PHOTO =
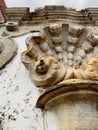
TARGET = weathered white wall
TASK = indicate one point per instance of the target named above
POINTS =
(18, 95)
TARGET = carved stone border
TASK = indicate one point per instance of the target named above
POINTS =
(67, 86)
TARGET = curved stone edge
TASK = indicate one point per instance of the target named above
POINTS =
(20, 32)
(64, 87)
(23, 32)
(13, 53)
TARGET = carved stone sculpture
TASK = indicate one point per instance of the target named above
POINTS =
(8, 48)
(61, 52)
(65, 58)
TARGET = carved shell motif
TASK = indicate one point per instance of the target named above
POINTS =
(61, 52)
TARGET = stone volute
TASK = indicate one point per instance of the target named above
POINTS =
(64, 59)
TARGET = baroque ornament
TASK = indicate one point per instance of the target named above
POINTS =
(61, 52)
(65, 58)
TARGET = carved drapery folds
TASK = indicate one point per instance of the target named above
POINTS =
(61, 52)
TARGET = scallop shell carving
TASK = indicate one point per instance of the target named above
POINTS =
(61, 52)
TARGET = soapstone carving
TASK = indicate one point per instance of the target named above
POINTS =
(61, 52)
(8, 48)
